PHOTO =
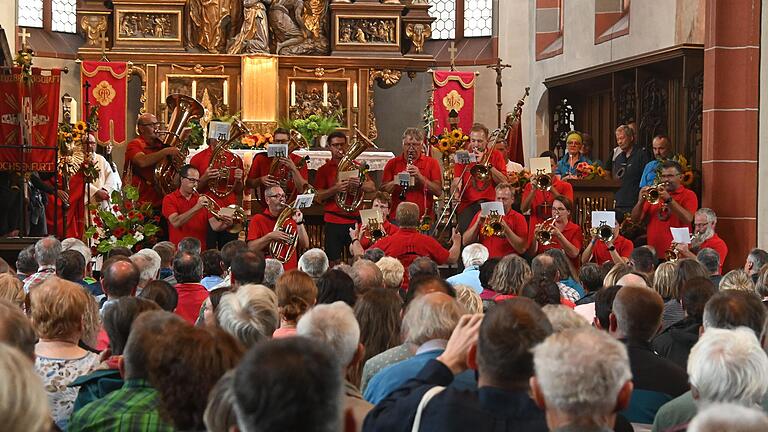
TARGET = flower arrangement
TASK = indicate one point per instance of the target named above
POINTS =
(23, 59)
(590, 171)
(449, 142)
(425, 224)
(126, 223)
(253, 141)
(519, 179)
(196, 136)
(313, 126)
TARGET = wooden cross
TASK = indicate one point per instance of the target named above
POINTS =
(103, 39)
(453, 52)
(498, 67)
(24, 35)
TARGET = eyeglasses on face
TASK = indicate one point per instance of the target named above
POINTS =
(276, 196)
(150, 124)
(192, 179)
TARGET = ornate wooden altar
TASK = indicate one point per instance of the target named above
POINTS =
(592, 195)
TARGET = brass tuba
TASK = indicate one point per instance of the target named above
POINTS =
(226, 162)
(280, 171)
(282, 251)
(604, 232)
(350, 200)
(543, 232)
(184, 109)
(233, 211)
(653, 195)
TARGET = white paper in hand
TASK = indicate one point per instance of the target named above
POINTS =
(603, 217)
(368, 216)
(218, 130)
(277, 150)
(540, 165)
(304, 201)
(487, 207)
(681, 235)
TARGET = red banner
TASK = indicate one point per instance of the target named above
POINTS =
(515, 141)
(29, 112)
(107, 88)
(453, 91)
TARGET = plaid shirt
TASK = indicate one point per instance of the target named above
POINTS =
(133, 408)
(43, 273)
(568, 293)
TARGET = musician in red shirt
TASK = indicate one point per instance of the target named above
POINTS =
(337, 220)
(565, 234)
(261, 230)
(294, 175)
(186, 210)
(539, 202)
(675, 208)
(222, 182)
(617, 250)
(381, 201)
(424, 171)
(704, 222)
(514, 235)
(477, 191)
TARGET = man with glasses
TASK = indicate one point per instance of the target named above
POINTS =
(425, 177)
(261, 230)
(337, 220)
(704, 222)
(185, 210)
(513, 237)
(675, 208)
(260, 179)
(628, 167)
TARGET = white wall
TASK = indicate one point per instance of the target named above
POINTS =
(8, 21)
(762, 149)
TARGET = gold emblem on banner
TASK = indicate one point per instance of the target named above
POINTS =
(453, 101)
(104, 93)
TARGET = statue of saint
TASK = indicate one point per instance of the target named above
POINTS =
(254, 34)
(213, 22)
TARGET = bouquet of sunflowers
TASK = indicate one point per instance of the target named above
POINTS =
(688, 174)
(449, 142)
(590, 171)
(127, 222)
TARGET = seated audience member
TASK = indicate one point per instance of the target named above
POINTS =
(635, 319)
(247, 268)
(508, 278)
(219, 415)
(70, 265)
(119, 278)
(189, 244)
(57, 308)
(428, 323)
(566, 270)
(591, 278)
(676, 341)
(273, 269)
(762, 284)
(563, 318)
(166, 250)
(314, 262)
(601, 319)
(366, 276)
(119, 251)
(423, 266)
(467, 297)
(546, 266)
(289, 384)
(137, 402)
(146, 270)
(335, 326)
(392, 272)
(12, 289)
(541, 290)
(729, 417)
(118, 318)
(755, 260)
(16, 329)
(188, 271)
(685, 269)
(162, 293)
(588, 393)
(378, 312)
(425, 285)
(26, 263)
(710, 259)
(615, 273)
(373, 254)
(737, 280)
(23, 402)
(296, 293)
(633, 278)
(47, 251)
(228, 253)
(485, 274)
(249, 314)
(335, 285)
(473, 256)
(643, 259)
(213, 269)
(498, 346)
(153, 272)
(207, 316)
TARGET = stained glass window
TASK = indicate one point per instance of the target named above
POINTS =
(30, 13)
(444, 26)
(64, 16)
(478, 18)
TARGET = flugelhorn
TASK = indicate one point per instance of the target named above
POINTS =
(672, 254)
(604, 232)
(544, 232)
(375, 230)
(542, 182)
(350, 200)
(492, 225)
(653, 195)
(232, 211)
(226, 162)
(184, 109)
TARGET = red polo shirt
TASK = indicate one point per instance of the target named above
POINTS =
(540, 212)
(261, 165)
(261, 225)
(144, 178)
(191, 297)
(196, 227)
(573, 234)
(716, 243)
(407, 244)
(327, 176)
(479, 191)
(202, 161)
(419, 195)
(600, 252)
(390, 229)
(499, 246)
(659, 235)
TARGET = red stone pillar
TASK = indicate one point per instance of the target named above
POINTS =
(730, 141)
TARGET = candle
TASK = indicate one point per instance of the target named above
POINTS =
(162, 92)
(325, 94)
(226, 92)
(194, 89)
(293, 93)
(73, 111)
(354, 96)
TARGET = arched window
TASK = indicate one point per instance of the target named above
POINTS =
(51, 15)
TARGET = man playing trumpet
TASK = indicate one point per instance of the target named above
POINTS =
(260, 178)
(261, 230)
(558, 232)
(512, 238)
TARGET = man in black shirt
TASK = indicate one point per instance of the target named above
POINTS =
(628, 167)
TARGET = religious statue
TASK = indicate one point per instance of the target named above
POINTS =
(213, 22)
(298, 26)
(254, 34)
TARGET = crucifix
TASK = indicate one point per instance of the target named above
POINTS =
(103, 39)
(453, 52)
(24, 35)
(498, 67)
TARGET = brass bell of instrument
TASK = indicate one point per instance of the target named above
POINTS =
(653, 195)
(604, 232)
(544, 234)
(542, 182)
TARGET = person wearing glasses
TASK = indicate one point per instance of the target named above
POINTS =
(186, 210)
(705, 237)
(628, 167)
(423, 171)
(564, 234)
(261, 229)
(259, 177)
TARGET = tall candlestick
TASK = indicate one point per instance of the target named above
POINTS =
(73, 111)
(162, 92)
(226, 92)
(194, 89)
(325, 94)
(354, 96)
(293, 93)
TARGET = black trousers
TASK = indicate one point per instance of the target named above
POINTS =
(465, 217)
(217, 239)
(337, 240)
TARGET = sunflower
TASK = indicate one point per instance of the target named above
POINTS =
(687, 178)
(600, 171)
(80, 126)
(456, 134)
(268, 137)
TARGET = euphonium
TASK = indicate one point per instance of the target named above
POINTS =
(226, 162)
(279, 170)
(492, 225)
(544, 232)
(653, 195)
(604, 232)
(184, 109)
(542, 182)
(282, 251)
(350, 200)
(233, 211)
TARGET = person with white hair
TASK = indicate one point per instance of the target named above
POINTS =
(272, 270)
(148, 263)
(314, 262)
(581, 389)
(335, 326)
(473, 257)
(563, 318)
(705, 237)
(392, 271)
(47, 251)
(249, 314)
(729, 417)
(23, 401)
(427, 324)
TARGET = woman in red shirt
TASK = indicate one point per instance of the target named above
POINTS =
(566, 235)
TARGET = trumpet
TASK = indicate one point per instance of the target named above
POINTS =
(232, 211)
(604, 232)
(542, 182)
(653, 195)
(543, 232)
(376, 230)
(492, 225)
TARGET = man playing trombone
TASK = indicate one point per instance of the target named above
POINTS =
(511, 238)
(261, 230)
(470, 189)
